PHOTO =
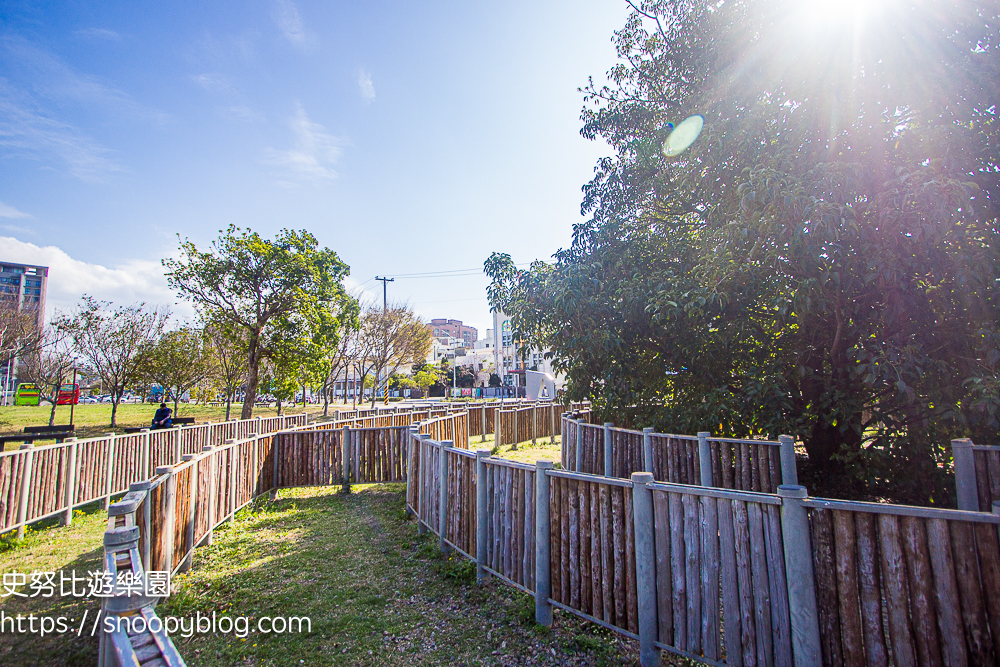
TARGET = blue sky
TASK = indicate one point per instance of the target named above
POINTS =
(409, 137)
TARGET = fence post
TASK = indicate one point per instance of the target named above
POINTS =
(411, 433)
(421, 475)
(608, 449)
(147, 513)
(275, 446)
(212, 509)
(70, 495)
(232, 478)
(169, 518)
(578, 445)
(177, 444)
(147, 459)
(497, 440)
(647, 449)
(22, 501)
(789, 470)
(109, 476)
(513, 445)
(482, 519)
(704, 458)
(443, 501)
(965, 474)
(534, 424)
(645, 568)
(799, 576)
(185, 564)
(345, 459)
(552, 419)
(543, 570)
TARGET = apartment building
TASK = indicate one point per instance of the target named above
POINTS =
(443, 328)
(25, 286)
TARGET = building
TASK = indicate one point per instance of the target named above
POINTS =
(510, 366)
(25, 285)
(441, 328)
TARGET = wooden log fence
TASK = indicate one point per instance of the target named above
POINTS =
(730, 463)
(37, 483)
(977, 475)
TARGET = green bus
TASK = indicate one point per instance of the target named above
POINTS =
(26, 394)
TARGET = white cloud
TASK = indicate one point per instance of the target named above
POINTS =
(26, 130)
(290, 23)
(366, 86)
(69, 279)
(11, 212)
(213, 83)
(315, 150)
(99, 33)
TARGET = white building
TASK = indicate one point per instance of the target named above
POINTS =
(510, 365)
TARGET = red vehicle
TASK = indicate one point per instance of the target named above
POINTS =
(69, 394)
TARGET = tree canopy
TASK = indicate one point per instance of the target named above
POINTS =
(265, 287)
(821, 262)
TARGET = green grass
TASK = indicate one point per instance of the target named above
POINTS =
(93, 419)
(525, 452)
(375, 591)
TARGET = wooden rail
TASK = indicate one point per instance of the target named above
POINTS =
(722, 576)
(748, 465)
(37, 483)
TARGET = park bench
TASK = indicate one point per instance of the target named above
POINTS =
(32, 433)
(177, 421)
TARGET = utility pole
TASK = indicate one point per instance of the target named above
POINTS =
(385, 309)
(385, 301)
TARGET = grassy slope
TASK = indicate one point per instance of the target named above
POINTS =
(376, 592)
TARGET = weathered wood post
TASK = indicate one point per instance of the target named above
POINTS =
(789, 470)
(345, 459)
(799, 577)
(543, 571)
(411, 433)
(232, 478)
(70, 490)
(608, 449)
(645, 568)
(22, 501)
(578, 446)
(177, 444)
(497, 435)
(482, 518)
(147, 459)
(534, 424)
(192, 501)
(552, 418)
(965, 474)
(647, 449)
(275, 451)
(254, 472)
(516, 438)
(109, 474)
(704, 458)
(443, 500)
(147, 513)
(169, 518)
(212, 510)
(422, 476)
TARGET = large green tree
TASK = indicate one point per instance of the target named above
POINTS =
(259, 285)
(822, 261)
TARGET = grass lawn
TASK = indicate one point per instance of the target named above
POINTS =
(375, 592)
(92, 419)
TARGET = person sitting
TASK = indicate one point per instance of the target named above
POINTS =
(162, 417)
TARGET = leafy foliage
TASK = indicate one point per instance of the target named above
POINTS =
(823, 260)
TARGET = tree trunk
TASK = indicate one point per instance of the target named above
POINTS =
(114, 409)
(177, 398)
(52, 413)
(279, 407)
(253, 376)
(229, 402)
(326, 397)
